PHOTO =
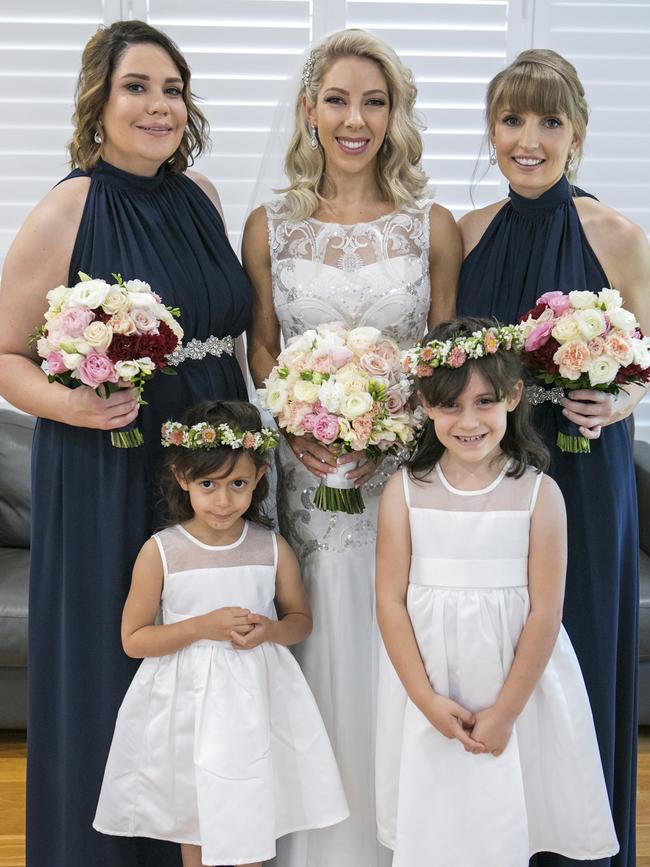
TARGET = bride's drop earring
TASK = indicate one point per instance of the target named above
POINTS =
(571, 162)
(493, 154)
(313, 142)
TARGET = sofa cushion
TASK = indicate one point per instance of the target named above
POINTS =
(16, 430)
(14, 573)
(642, 466)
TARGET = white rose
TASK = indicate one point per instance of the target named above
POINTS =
(348, 372)
(346, 432)
(583, 300)
(301, 343)
(99, 336)
(354, 405)
(274, 396)
(361, 339)
(331, 394)
(357, 384)
(566, 329)
(611, 298)
(602, 370)
(126, 370)
(141, 299)
(590, 322)
(76, 346)
(137, 286)
(115, 300)
(89, 293)
(57, 296)
(44, 347)
(622, 319)
(306, 391)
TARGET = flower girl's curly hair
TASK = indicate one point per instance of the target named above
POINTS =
(196, 463)
(503, 370)
(400, 177)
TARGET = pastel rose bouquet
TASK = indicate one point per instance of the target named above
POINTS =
(584, 340)
(105, 336)
(346, 389)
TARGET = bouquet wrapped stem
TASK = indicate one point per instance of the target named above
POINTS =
(336, 493)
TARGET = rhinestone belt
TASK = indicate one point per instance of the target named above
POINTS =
(198, 349)
(537, 394)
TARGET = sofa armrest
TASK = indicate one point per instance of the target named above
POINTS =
(642, 468)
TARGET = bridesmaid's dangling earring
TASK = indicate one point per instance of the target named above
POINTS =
(385, 148)
(571, 163)
(313, 142)
(493, 154)
(97, 138)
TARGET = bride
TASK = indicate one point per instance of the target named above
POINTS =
(356, 239)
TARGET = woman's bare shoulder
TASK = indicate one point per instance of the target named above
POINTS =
(608, 231)
(473, 224)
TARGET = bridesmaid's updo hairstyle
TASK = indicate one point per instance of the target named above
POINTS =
(541, 81)
(197, 463)
(503, 370)
(400, 176)
(100, 57)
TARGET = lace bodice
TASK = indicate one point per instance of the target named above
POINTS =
(374, 273)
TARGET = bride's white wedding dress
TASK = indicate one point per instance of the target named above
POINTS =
(374, 273)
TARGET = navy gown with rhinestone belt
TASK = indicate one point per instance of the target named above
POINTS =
(95, 505)
(533, 246)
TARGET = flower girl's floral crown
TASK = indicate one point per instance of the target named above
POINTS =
(205, 436)
(422, 360)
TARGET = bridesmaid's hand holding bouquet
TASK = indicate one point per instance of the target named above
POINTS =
(583, 340)
(107, 336)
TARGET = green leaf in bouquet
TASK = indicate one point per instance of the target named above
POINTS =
(306, 375)
(168, 371)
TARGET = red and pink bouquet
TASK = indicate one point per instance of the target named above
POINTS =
(583, 340)
(347, 390)
(106, 336)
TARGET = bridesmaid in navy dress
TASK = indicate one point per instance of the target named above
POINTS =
(128, 208)
(550, 235)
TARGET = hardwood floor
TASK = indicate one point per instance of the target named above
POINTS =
(12, 799)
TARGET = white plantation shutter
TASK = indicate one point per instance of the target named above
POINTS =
(40, 53)
(240, 53)
(609, 44)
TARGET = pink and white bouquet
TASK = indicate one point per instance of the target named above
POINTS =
(347, 390)
(105, 336)
(584, 340)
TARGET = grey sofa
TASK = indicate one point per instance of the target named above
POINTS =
(15, 446)
(15, 450)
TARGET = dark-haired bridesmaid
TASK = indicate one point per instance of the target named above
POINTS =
(550, 235)
(129, 206)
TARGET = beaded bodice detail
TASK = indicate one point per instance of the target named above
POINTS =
(374, 273)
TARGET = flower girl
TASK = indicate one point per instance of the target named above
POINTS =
(486, 750)
(218, 744)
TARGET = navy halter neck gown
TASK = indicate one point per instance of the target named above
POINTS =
(533, 246)
(95, 505)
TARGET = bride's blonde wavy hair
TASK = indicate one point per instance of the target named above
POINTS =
(400, 177)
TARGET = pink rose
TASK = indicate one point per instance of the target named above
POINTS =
(374, 364)
(557, 301)
(326, 428)
(144, 321)
(362, 428)
(539, 336)
(387, 350)
(395, 400)
(96, 369)
(321, 362)
(55, 363)
(596, 346)
(619, 348)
